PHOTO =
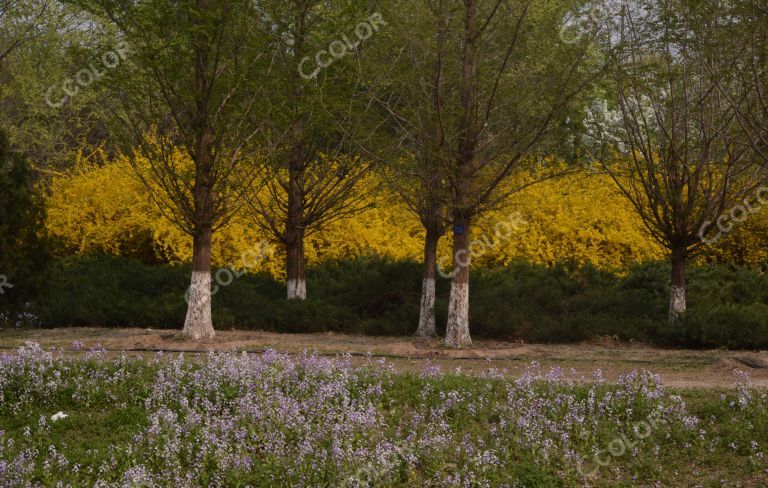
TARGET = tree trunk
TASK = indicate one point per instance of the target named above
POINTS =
(427, 312)
(297, 285)
(677, 305)
(198, 324)
(457, 330)
(294, 225)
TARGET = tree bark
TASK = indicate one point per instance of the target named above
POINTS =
(427, 313)
(677, 303)
(198, 324)
(297, 285)
(294, 225)
(457, 330)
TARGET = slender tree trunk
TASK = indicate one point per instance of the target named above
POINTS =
(294, 226)
(434, 207)
(457, 330)
(427, 313)
(295, 229)
(677, 305)
(297, 285)
(198, 324)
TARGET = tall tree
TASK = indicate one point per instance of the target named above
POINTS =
(311, 178)
(745, 49)
(23, 252)
(402, 134)
(53, 97)
(194, 89)
(683, 159)
(19, 22)
(491, 80)
(411, 95)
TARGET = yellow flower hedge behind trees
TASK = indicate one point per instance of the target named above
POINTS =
(102, 208)
(577, 218)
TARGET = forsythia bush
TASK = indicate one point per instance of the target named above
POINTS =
(580, 218)
(105, 209)
(102, 208)
(745, 244)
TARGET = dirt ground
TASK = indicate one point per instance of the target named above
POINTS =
(678, 368)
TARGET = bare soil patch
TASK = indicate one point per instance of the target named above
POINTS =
(678, 368)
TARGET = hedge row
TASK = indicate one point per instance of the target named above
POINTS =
(728, 305)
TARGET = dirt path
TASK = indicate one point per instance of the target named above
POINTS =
(678, 368)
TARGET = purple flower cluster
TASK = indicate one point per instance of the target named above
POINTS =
(22, 319)
(303, 417)
(226, 419)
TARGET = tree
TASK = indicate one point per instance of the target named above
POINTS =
(423, 186)
(491, 80)
(19, 21)
(23, 252)
(407, 90)
(61, 46)
(683, 158)
(194, 88)
(745, 49)
(311, 177)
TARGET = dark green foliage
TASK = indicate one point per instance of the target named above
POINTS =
(23, 252)
(565, 303)
(113, 292)
(728, 325)
(356, 296)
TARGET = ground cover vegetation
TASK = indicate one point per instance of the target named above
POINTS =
(271, 419)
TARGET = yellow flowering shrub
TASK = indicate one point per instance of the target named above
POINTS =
(580, 218)
(99, 209)
(744, 243)
(388, 229)
(104, 208)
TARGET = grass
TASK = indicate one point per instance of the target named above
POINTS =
(274, 420)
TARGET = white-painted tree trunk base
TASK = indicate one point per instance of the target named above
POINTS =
(457, 330)
(427, 313)
(677, 305)
(198, 324)
(297, 289)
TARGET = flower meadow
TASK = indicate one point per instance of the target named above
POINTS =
(237, 419)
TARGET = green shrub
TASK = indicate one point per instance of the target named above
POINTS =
(728, 307)
(113, 292)
(23, 246)
(729, 325)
